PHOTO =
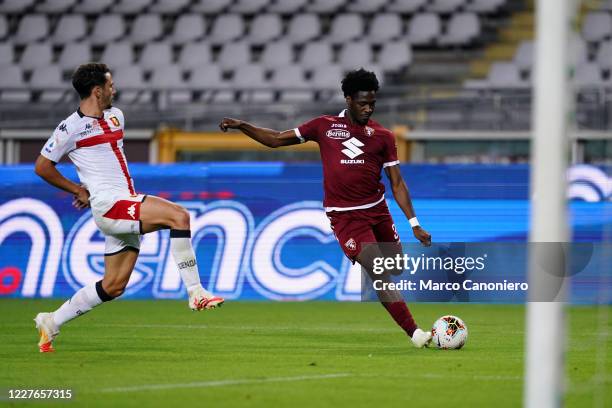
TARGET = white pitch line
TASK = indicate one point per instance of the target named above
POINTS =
(223, 383)
(243, 328)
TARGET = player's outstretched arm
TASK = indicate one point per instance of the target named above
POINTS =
(402, 197)
(267, 137)
(46, 170)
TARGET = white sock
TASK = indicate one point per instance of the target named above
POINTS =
(182, 252)
(80, 303)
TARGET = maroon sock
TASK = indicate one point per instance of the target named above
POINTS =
(402, 316)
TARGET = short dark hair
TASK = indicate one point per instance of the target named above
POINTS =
(87, 76)
(359, 80)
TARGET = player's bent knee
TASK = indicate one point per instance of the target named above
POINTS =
(181, 218)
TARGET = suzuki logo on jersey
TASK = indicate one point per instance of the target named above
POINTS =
(352, 150)
(132, 211)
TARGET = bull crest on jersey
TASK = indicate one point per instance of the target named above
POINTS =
(114, 120)
(369, 131)
(351, 244)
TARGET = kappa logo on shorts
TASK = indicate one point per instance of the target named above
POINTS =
(132, 211)
(351, 244)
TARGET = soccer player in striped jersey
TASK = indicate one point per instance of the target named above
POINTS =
(354, 151)
(92, 137)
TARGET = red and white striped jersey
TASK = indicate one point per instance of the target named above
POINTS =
(95, 146)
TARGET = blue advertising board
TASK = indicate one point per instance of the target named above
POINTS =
(259, 229)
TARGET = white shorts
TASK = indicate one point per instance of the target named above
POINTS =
(118, 217)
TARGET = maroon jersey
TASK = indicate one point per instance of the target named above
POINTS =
(353, 157)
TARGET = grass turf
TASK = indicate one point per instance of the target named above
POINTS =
(289, 354)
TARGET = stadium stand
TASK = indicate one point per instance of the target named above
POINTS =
(414, 46)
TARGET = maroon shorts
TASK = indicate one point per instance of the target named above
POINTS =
(355, 228)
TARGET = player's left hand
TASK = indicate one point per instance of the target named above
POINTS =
(422, 235)
(81, 199)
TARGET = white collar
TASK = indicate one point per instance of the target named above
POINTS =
(342, 114)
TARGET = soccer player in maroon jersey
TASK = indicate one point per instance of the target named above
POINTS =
(354, 150)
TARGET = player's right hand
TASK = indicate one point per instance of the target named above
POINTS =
(229, 123)
(81, 199)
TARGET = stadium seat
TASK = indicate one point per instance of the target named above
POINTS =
(131, 6)
(3, 26)
(49, 76)
(155, 54)
(32, 27)
(36, 55)
(505, 75)
(146, 28)
(73, 55)
(579, 50)
(12, 86)
(484, 6)
(108, 28)
(291, 77)
(366, 6)
(93, 6)
(226, 28)
(325, 6)
(444, 6)
(604, 55)
(303, 28)
(210, 7)
(188, 27)
(278, 53)
(169, 6)
(424, 28)
(249, 6)
(289, 7)
(385, 27)
(406, 6)
(54, 6)
(395, 56)
(7, 55)
(265, 28)
(233, 55)
(194, 55)
(523, 57)
(316, 54)
(251, 78)
(463, 28)
(355, 55)
(15, 6)
(588, 75)
(169, 80)
(119, 54)
(345, 27)
(130, 85)
(326, 77)
(71, 27)
(209, 84)
(597, 26)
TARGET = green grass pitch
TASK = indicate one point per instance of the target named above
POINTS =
(263, 354)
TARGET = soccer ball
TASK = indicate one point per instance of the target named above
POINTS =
(449, 332)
